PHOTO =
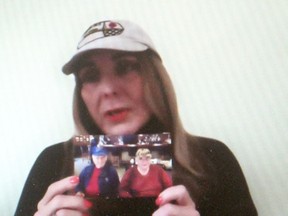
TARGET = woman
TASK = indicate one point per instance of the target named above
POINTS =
(100, 178)
(144, 180)
(122, 87)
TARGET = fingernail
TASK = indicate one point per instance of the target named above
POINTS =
(74, 180)
(159, 201)
(88, 204)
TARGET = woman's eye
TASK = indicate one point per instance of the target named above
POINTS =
(89, 75)
(125, 67)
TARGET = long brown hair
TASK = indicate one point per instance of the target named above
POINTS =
(161, 98)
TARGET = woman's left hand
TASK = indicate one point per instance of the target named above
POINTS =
(175, 201)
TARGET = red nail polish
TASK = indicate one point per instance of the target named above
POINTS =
(74, 180)
(88, 204)
(159, 201)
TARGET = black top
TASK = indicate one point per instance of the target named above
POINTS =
(225, 191)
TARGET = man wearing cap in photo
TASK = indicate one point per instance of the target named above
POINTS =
(100, 178)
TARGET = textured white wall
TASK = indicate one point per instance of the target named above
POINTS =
(227, 60)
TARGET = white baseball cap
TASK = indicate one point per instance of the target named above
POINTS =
(120, 35)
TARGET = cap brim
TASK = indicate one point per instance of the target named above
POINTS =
(102, 154)
(121, 44)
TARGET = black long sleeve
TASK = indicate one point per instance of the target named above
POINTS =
(46, 170)
(228, 193)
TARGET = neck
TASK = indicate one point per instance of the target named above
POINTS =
(142, 171)
(152, 126)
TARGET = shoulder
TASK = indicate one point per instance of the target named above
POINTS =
(131, 171)
(212, 148)
(157, 170)
(219, 160)
(52, 153)
(110, 168)
(155, 167)
(54, 158)
(215, 156)
(206, 142)
(88, 168)
(56, 149)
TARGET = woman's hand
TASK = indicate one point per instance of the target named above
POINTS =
(56, 203)
(175, 201)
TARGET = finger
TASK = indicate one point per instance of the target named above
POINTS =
(166, 209)
(176, 193)
(80, 194)
(59, 187)
(175, 210)
(69, 212)
(64, 202)
(66, 212)
(68, 202)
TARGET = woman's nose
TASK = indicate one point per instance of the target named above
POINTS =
(109, 86)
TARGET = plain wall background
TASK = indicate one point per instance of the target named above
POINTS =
(227, 60)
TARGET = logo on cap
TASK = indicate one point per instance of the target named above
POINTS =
(100, 30)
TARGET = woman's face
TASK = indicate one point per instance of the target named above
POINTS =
(143, 162)
(112, 90)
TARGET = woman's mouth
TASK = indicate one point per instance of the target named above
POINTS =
(117, 115)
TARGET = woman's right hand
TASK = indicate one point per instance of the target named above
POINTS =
(56, 203)
(175, 200)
